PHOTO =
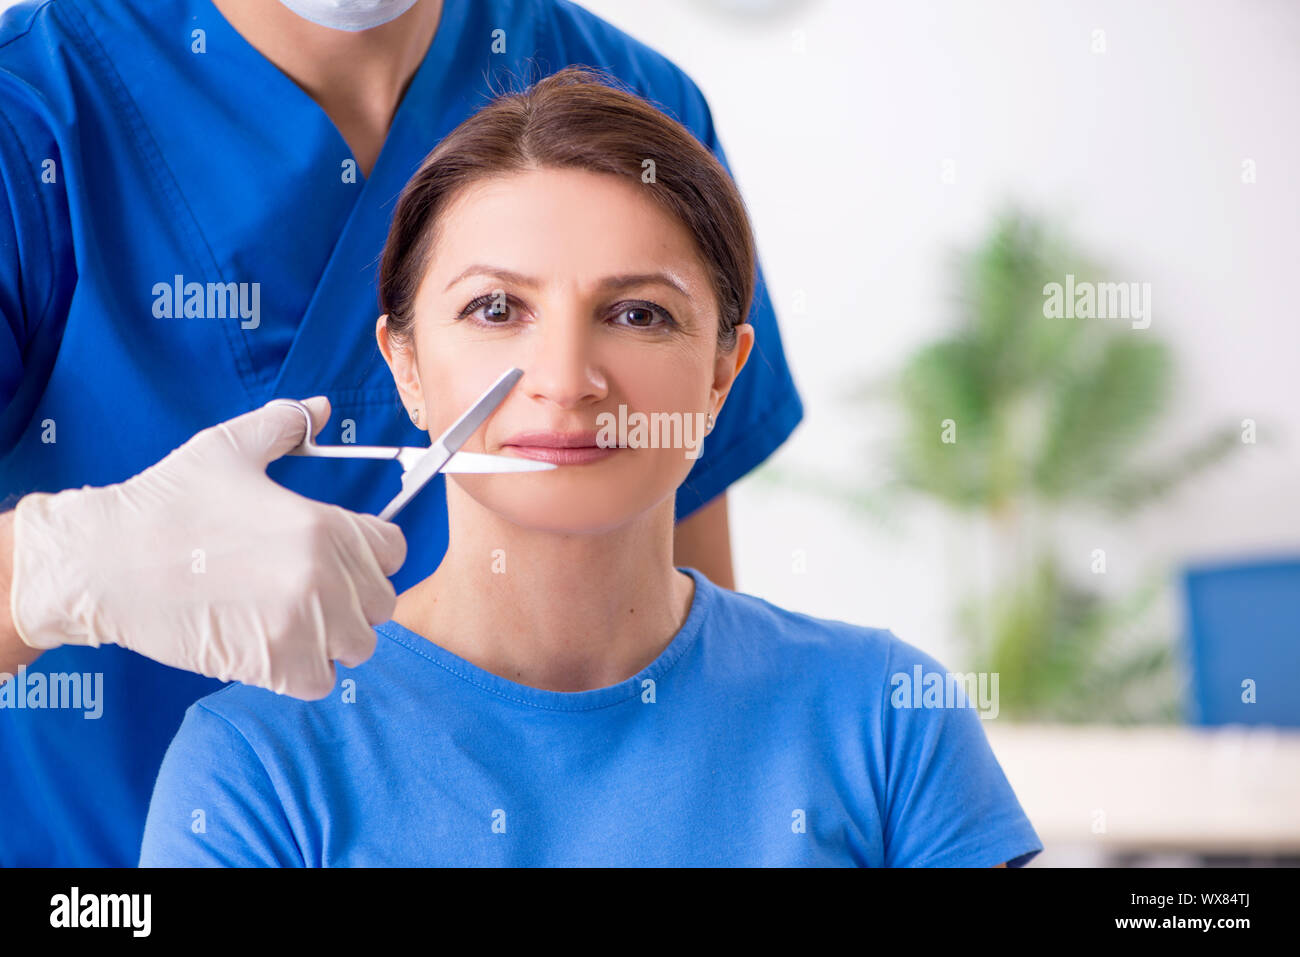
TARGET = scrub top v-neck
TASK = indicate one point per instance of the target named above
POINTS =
(148, 146)
(319, 254)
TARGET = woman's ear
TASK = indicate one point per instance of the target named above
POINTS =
(401, 364)
(728, 365)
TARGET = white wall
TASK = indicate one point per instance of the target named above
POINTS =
(1138, 151)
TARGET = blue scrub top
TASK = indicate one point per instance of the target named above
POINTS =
(758, 737)
(141, 142)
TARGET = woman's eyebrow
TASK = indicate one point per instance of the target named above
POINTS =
(608, 283)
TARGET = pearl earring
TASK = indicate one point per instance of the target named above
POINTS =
(708, 423)
(415, 417)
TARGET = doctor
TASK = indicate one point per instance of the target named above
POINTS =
(194, 196)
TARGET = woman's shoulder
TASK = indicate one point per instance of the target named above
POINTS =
(800, 635)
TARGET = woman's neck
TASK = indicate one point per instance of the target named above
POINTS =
(558, 612)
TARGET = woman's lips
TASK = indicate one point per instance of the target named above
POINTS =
(562, 448)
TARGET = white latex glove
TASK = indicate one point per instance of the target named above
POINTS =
(201, 562)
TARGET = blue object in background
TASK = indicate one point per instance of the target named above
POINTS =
(1243, 622)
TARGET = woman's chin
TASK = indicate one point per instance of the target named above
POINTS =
(563, 505)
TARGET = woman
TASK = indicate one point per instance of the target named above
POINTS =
(557, 692)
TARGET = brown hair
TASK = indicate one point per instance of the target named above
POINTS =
(576, 118)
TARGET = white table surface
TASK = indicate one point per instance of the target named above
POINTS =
(1234, 789)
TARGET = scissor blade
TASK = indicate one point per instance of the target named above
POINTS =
(447, 444)
(468, 424)
(470, 463)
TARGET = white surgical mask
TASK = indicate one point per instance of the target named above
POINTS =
(350, 15)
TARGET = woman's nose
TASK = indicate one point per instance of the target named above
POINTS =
(562, 367)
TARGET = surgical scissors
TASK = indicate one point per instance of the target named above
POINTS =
(420, 465)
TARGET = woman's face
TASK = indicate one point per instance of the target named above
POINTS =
(599, 295)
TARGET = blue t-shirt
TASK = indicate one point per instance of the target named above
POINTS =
(758, 737)
(146, 147)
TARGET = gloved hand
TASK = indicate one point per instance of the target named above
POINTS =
(202, 562)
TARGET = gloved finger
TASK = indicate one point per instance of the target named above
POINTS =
(268, 433)
(386, 541)
(319, 406)
(369, 594)
(311, 678)
(350, 640)
(377, 600)
(316, 690)
(353, 644)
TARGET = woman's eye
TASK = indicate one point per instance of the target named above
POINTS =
(644, 316)
(488, 310)
(496, 311)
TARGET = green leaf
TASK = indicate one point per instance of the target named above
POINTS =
(1101, 413)
(1124, 493)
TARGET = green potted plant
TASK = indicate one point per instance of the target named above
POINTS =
(1013, 417)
